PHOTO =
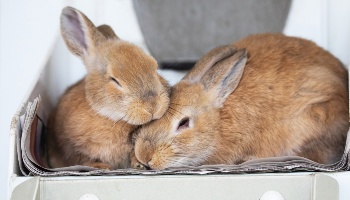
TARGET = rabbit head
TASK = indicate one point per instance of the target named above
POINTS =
(187, 134)
(122, 81)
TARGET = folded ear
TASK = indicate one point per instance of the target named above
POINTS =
(79, 33)
(208, 61)
(223, 78)
(107, 31)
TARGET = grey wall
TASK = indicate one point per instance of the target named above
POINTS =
(183, 30)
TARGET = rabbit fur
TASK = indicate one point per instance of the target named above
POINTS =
(94, 119)
(266, 95)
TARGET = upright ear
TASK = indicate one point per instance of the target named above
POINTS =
(223, 78)
(107, 31)
(208, 61)
(79, 33)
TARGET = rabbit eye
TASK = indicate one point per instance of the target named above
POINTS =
(115, 80)
(184, 123)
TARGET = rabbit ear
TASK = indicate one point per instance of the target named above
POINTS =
(207, 61)
(78, 32)
(223, 78)
(107, 31)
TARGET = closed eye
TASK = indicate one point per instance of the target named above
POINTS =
(184, 123)
(115, 80)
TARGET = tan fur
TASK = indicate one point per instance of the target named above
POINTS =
(292, 100)
(95, 118)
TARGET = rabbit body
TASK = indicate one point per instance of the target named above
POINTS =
(82, 137)
(292, 100)
(95, 118)
(286, 97)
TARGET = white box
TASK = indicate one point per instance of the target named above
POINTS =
(51, 83)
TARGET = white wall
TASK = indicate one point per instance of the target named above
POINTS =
(326, 22)
(28, 30)
(339, 29)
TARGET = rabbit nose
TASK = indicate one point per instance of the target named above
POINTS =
(150, 102)
(149, 94)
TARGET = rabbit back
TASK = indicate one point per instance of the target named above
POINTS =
(292, 100)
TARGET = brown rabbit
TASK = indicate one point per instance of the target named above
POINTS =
(286, 97)
(94, 119)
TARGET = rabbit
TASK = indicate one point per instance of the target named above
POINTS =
(266, 95)
(94, 119)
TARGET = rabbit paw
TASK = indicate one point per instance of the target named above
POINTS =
(135, 164)
(138, 165)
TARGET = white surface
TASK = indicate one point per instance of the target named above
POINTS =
(28, 30)
(244, 186)
(343, 179)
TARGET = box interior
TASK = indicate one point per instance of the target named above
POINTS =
(62, 70)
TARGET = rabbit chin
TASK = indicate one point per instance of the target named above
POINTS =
(116, 114)
(175, 163)
(134, 118)
(161, 162)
